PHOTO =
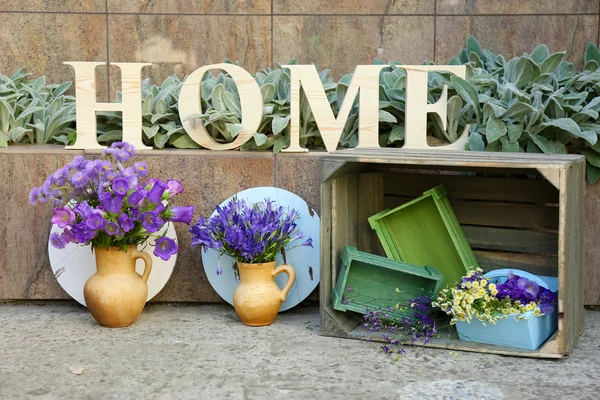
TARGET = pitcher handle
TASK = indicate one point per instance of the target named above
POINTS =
(291, 273)
(147, 263)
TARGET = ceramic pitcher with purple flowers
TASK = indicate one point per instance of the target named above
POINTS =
(116, 294)
(257, 298)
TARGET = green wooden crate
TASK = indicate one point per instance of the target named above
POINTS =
(369, 282)
(425, 231)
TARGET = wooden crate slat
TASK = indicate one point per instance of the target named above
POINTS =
(511, 240)
(473, 187)
(488, 213)
(370, 199)
(536, 264)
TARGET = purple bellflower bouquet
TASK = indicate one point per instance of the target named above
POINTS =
(249, 233)
(107, 202)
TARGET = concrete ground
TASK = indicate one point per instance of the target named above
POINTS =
(55, 350)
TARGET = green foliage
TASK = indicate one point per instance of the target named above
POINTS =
(33, 112)
(533, 103)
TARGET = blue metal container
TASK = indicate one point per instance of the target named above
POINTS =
(523, 334)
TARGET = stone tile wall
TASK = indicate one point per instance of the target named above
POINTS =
(180, 36)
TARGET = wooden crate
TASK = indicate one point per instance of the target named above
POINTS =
(521, 211)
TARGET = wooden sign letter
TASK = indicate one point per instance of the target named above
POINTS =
(250, 99)
(417, 106)
(86, 104)
(366, 78)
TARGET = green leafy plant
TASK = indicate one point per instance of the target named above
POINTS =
(33, 112)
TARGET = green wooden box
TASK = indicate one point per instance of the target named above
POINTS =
(368, 282)
(425, 231)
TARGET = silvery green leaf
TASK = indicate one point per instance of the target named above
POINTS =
(260, 78)
(590, 66)
(273, 78)
(473, 46)
(552, 62)
(279, 124)
(397, 134)
(232, 102)
(185, 142)
(64, 139)
(160, 141)
(147, 104)
(395, 94)
(495, 146)
(514, 132)
(222, 116)
(111, 136)
(584, 115)
(568, 125)
(495, 129)
(548, 146)
(524, 73)
(385, 116)
(509, 147)
(217, 98)
(169, 126)
(3, 141)
(593, 173)
(518, 109)
(279, 144)
(18, 133)
(161, 107)
(150, 131)
(390, 79)
(592, 53)
(489, 109)
(268, 91)
(540, 53)
(6, 115)
(467, 92)
(61, 89)
(591, 156)
(268, 109)
(158, 116)
(476, 142)
(590, 127)
(234, 129)
(259, 138)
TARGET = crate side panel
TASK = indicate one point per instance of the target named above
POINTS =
(511, 240)
(545, 265)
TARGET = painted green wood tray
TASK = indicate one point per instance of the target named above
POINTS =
(368, 282)
(425, 231)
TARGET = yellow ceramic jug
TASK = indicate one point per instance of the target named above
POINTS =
(257, 298)
(116, 295)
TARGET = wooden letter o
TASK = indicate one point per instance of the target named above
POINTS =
(250, 99)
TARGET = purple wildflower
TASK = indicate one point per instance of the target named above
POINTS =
(140, 168)
(165, 247)
(95, 220)
(78, 179)
(156, 192)
(125, 222)
(151, 222)
(181, 214)
(136, 197)
(63, 216)
(174, 187)
(56, 241)
(112, 228)
(34, 195)
(120, 186)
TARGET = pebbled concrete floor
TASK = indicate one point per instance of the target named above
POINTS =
(202, 352)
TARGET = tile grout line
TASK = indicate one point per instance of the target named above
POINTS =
(272, 34)
(107, 56)
(434, 29)
(297, 15)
